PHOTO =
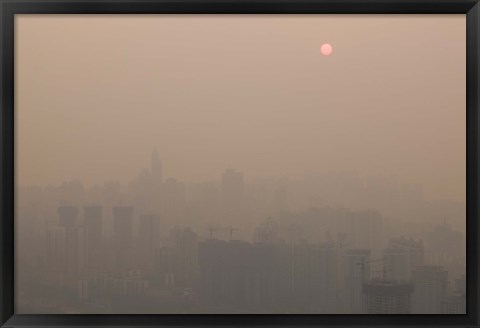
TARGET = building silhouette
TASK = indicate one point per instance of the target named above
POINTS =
(387, 297)
(184, 242)
(67, 243)
(92, 221)
(56, 256)
(156, 167)
(454, 304)
(357, 272)
(430, 289)
(67, 215)
(402, 255)
(122, 235)
(148, 240)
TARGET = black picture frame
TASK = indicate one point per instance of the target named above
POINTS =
(10, 8)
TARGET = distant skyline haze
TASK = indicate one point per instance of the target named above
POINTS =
(247, 92)
(240, 164)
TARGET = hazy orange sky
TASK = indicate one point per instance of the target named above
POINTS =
(95, 95)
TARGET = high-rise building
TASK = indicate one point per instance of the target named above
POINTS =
(387, 297)
(396, 266)
(272, 277)
(148, 239)
(363, 229)
(145, 190)
(185, 245)
(402, 255)
(430, 284)
(357, 272)
(76, 247)
(56, 249)
(454, 304)
(149, 231)
(122, 234)
(66, 249)
(156, 167)
(270, 270)
(414, 248)
(213, 262)
(66, 243)
(67, 215)
(461, 284)
(232, 196)
(92, 221)
(129, 284)
(234, 276)
(165, 266)
(174, 198)
(329, 258)
(267, 232)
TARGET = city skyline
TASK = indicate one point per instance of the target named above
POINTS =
(210, 91)
(245, 164)
(158, 247)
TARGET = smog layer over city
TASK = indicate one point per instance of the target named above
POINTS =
(240, 164)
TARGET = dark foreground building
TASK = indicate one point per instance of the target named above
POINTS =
(387, 297)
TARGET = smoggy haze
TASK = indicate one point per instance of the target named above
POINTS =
(96, 94)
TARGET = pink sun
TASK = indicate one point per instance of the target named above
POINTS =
(326, 49)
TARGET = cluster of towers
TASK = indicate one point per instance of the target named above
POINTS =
(281, 271)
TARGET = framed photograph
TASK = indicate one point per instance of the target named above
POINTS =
(222, 163)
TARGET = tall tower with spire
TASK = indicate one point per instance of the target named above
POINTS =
(156, 166)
